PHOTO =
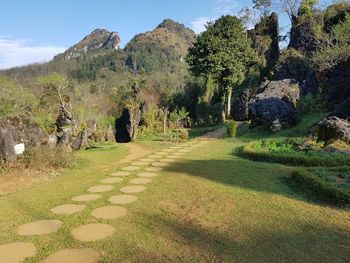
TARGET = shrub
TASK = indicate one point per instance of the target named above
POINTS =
(284, 153)
(183, 134)
(231, 129)
(311, 104)
(44, 157)
(14, 99)
(318, 189)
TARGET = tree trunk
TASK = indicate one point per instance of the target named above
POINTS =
(228, 105)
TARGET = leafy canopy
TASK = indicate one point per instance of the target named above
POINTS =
(223, 51)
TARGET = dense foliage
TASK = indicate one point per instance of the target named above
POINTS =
(224, 53)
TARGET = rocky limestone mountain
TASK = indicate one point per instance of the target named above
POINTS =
(97, 40)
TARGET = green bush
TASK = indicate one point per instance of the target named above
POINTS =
(231, 129)
(286, 154)
(183, 134)
(311, 104)
(318, 189)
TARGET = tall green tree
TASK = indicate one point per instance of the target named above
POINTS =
(223, 52)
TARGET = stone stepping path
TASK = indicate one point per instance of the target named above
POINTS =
(178, 154)
(174, 156)
(154, 156)
(149, 160)
(153, 169)
(92, 232)
(161, 153)
(131, 168)
(100, 188)
(140, 163)
(168, 150)
(167, 160)
(132, 189)
(160, 164)
(67, 209)
(78, 255)
(140, 181)
(146, 174)
(19, 251)
(16, 252)
(85, 198)
(111, 180)
(109, 212)
(122, 199)
(39, 227)
(120, 174)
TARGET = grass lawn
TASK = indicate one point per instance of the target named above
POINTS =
(210, 206)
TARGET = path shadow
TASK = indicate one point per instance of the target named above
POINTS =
(208, 244)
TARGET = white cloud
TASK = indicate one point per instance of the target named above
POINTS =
(198, 25)
(17, 52)
(221, 7)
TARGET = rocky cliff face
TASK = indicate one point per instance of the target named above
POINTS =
(98, 40)
(265, 36)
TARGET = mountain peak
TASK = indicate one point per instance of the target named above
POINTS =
(172, 25)
(97, 40)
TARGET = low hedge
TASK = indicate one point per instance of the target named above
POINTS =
(295, 157)
(231, 127)
(317, 189)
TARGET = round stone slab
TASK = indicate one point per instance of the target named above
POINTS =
(154, 156)
(92, 232)
(161, 153)
(78, 255)
(168, 150)
(67, 209)
(16, 252)
(149, 160)
(167, 160)
(159, 164)
(109, 212)
(100, 188)
(178, 154)
(140, 163)
(88, 197)
(120, 174)
(39, 227)
(122, 199)
(146, 174)
(140, 181)
(133, 189)
(174, 156)
(111, 180)
(131, 168)
(153, 169)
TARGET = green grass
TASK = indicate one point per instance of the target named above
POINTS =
(299, 131)
(211, 206)
(289, 156)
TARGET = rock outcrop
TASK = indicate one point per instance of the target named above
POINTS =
(241, 112)
(332, 128)
(294, 65)
(126, 126)
(265, 36)
(17, 135)
(335, 83)
(275, 106)
(99, 39)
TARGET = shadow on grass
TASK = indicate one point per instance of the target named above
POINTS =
(263, 177)
(188, 241)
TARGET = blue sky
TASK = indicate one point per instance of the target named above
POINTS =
(34, 31)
